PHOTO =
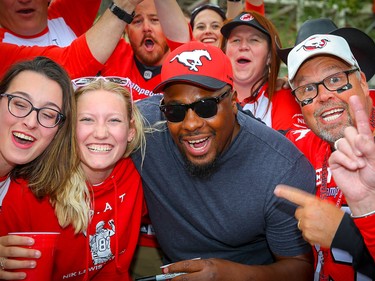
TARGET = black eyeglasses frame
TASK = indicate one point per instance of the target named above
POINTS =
(60, 117)
(339, 90)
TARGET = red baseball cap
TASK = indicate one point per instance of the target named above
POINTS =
(198, 64)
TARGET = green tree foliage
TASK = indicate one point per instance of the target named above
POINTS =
(351, 5)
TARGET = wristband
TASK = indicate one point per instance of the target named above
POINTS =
(364, 215)
(234, 0)
(120, 13)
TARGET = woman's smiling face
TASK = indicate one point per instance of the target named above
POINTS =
(24, 139)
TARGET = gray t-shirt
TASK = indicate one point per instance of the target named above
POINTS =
(234, 214)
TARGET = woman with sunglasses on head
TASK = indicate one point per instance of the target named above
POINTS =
(103, 200)
(35, 130)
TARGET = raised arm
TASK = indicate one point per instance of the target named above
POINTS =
(353, 163)
(236, 7)
(103, 37)
(172, 20)
(353, 166)
(86, 55)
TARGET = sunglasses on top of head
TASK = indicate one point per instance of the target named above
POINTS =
(204, 108)
(84, 81)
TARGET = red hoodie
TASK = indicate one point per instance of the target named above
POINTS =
(116, 215)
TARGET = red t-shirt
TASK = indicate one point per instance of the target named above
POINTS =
(63, 24)
(122, 63)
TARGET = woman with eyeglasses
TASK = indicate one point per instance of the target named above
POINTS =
(98, 212)
(35, 130)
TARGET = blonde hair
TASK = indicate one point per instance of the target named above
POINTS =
(72, 204)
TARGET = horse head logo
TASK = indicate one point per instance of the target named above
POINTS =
(192, 59)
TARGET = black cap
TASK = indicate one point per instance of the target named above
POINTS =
(201, 8)
(308, 28)
(245, 18)
(361, 45)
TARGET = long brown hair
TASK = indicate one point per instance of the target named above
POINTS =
(271, 71)
(50, 170)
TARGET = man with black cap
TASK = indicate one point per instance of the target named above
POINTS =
(209, 172)
(356, 40)
(324, 71)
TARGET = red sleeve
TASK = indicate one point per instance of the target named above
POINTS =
(173, 45)
(286, 112)
(366, 226)
(260, 9)
(77, 58)
(79, 15)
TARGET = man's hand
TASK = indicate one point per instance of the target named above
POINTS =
(353, 162)
(213, 269)
(317, 219)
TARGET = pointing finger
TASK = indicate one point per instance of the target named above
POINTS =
(294, 195)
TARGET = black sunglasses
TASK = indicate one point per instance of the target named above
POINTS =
(204, 108)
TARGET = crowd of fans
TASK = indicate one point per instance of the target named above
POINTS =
(167, 142)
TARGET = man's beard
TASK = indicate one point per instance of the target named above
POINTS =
(201, 171)
(152, 59)
(329, 134)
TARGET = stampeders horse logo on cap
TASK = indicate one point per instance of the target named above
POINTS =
(192, 59)
(314, 44)
(247, 17)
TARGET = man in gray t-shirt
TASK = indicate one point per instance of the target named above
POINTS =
(209, 172)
